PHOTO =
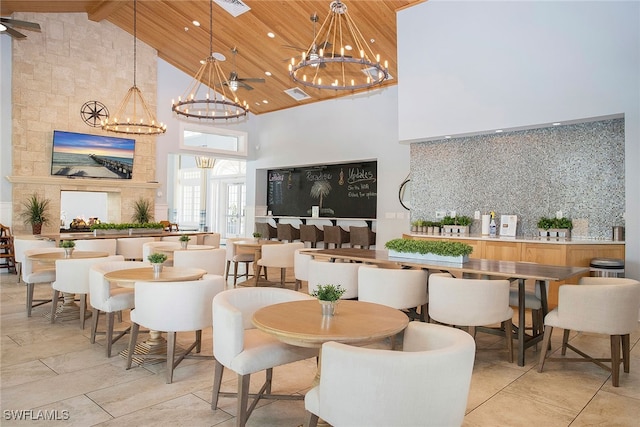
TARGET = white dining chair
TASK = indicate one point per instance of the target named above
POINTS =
(598, 305)
(211, 239)
(211, 260)
(244, 349)
(278, 256)
(235, 257)
(173, 307)
(131, 247)
(471, 303)
(344, 274)
(301, 265)
(404, 289)
(21, 245)
(425, 384)
(108, 298)
(34, 273)
(97, 245)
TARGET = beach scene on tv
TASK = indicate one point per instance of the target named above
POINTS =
(91, 156)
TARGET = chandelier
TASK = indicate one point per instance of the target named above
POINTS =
(339, 57)
(204, 162)
(133, 115)
(200, 100)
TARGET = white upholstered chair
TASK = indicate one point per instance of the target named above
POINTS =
(192, 239)
(236, 257)
(344, 274)
(301, 266)
(471, 303)
(150, 247)
(108, 298)
(131, 247)
(72, 277)
(34, 272)
(426, 384)
(21, 245)
(245, 350)
(599, 305)
(97, 245)
(211, 260)
(173, 307)
(398, 288)
(278, 256)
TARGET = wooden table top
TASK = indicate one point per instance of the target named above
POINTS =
(255, 244)
(506, 269)
(301, 323)
(172, 247)
(128, 277)
(76, 254)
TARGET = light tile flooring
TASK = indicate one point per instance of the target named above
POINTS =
(54, 367)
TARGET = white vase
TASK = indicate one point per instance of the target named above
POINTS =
(184, 245)
(157, 268)
(328, 307)
(68, 252)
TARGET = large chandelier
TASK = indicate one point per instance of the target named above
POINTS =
(200, 100)
(339, 57)
(133, 115)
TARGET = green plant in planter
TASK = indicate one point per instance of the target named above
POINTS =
(563, 223)
(184, 238)
(157, 258)
(142, 209)
(125, 226)
(429, 247)
(448, 220)
(257, 235)
(36, 212)
(545, 223)
(463, 220)
(67, 244)
(328, 292)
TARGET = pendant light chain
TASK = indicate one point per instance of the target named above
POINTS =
(135, 39)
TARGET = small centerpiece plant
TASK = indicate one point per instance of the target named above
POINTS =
(68, 246)
(184, 241)
(257, 235)
(328, 296)
(157, 258)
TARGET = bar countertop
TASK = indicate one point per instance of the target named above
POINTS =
(518, 239)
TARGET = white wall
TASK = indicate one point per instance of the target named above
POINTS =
(475, 66)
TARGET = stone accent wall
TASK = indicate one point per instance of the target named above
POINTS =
(72, 61)
(577, 169)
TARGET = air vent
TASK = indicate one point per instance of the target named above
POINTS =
(234, 7)
(373, 73)
(297, 94)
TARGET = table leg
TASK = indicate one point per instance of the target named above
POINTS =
(68, 310)
(521, 328)
(155, 344)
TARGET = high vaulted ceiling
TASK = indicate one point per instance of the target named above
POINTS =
(167, 26)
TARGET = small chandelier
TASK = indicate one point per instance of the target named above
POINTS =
(200, 100)
(331, 63)
(204, 162)
(133, 115)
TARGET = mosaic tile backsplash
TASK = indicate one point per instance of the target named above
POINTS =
(577, 169)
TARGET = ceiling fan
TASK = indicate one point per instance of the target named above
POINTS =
(234, 82)
(6, 25)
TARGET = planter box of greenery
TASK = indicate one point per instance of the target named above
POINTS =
(456, 225)
(453, 252)
(555, 227)
(105, 228)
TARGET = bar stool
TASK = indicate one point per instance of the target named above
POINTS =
(336, 235)
(311, 234)
(266, 230)
(287, 232)
(362, 236)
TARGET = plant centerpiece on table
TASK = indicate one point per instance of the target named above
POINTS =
(429, 250)
(328, 297)
(184, 241)
(554, 227)
(119, 228)
(156, 259)
(68, 246)
(142, 209)
(36, 212)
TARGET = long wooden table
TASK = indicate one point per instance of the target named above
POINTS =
(513, 270)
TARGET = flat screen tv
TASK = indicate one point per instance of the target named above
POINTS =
(91, 156)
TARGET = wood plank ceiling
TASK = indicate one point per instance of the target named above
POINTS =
(167, 26)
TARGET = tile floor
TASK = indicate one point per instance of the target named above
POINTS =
(54, 367)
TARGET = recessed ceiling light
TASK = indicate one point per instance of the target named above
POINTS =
(186, 28)
(498, 130)
(196, 23)
(271, 35)
(557, 124)
(268, 73)
(348, 47)
(257, 103)
(264, 101)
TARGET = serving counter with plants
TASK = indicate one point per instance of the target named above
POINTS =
(550, 251)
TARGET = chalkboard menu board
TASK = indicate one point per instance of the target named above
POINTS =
(344, 190)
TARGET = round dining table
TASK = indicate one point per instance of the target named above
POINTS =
(301, 323)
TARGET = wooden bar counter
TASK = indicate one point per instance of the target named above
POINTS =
(543, 250)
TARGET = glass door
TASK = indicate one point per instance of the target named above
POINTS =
(236, 207)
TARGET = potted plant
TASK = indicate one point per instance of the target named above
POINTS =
(454, 252)
(142, 211)
(562, 226)
(257, 235)
(184, 241)
(156, 259)
(328, 296)
(36, 212)
(68, 246)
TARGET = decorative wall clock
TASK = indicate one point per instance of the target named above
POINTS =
(92, 112)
